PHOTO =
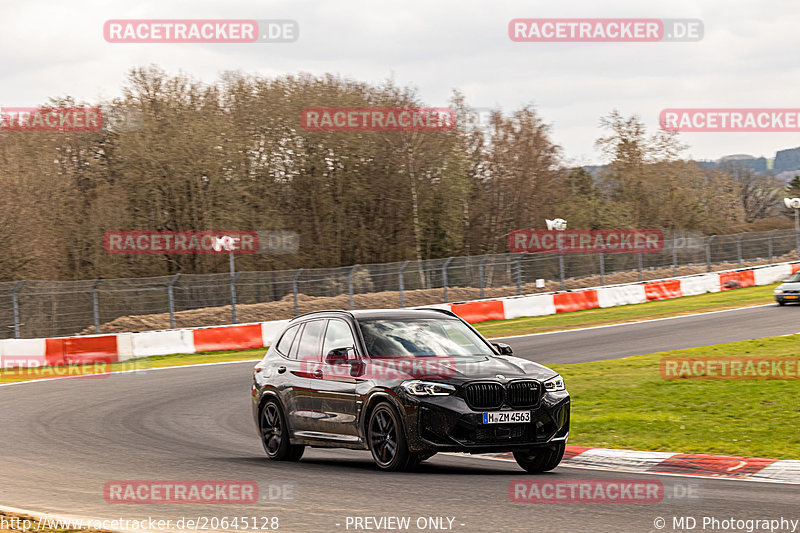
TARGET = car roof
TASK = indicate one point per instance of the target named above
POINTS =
(377, 314)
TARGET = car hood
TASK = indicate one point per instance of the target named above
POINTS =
(792, 286)
(457, 369)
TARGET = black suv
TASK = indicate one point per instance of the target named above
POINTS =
(405, 384)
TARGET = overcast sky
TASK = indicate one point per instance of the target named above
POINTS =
(747, 58)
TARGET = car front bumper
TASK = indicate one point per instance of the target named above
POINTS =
(449, 424)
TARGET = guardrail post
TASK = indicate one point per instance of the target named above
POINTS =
(294, 289)
(171, 300)
(350, 284)
(444, 276)
(739, 249)
(480, 271)
(95, 307)
(708, 252)
(400, 283)
(519, 274)
(15, 305)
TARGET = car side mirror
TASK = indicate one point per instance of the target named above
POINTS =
(503, 348)
(338, 356)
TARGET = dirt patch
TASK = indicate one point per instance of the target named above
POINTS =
(284, 308)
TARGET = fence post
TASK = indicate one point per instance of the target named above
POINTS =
(561, 270)
(171, 300)
(641, 268)
(769, 245)
(708, 252)
(350, 284)
(294, 289)
(602, 268)
(444, 276)
(674, 258)
(519, 274)
(400, 283)
(95, 309)
(480, 271)
(15, 305)
(234, 277)
(739, 248)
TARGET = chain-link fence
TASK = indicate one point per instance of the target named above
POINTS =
(57, 308)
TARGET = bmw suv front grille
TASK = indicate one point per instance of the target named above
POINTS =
(484, 395)
(523, 393)
(494, 395)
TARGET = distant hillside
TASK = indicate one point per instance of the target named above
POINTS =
(785, 165)
(787, 160)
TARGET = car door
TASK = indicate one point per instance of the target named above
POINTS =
(304, 376)
(336, 387)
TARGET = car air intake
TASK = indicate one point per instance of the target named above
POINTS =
(524, 393)
(484, 395)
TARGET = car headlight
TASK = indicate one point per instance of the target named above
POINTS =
(554, 384)
(778, 291)
(417, 387)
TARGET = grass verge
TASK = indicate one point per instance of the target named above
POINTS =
(625, 403)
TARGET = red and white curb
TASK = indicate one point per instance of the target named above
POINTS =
(683, 464)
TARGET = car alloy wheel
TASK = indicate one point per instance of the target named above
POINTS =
(275, 434)
(387, 441)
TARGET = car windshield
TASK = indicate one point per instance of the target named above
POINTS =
(421, 338)
(794, 277)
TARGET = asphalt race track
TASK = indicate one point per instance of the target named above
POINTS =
(611, 342)
(63, 440)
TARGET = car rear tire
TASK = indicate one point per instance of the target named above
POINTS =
(539, 460)
(275, 434)
(387, 440)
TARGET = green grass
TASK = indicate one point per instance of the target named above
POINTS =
(625, 403)
(629, 313)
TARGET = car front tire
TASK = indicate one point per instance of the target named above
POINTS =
(538, 460)
(387, 440)
(275, 434)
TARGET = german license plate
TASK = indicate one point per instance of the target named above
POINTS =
(506, 417)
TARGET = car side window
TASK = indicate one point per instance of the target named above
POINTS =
(285, 344)
(338, 335)
(310, 340)
(296, 343)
